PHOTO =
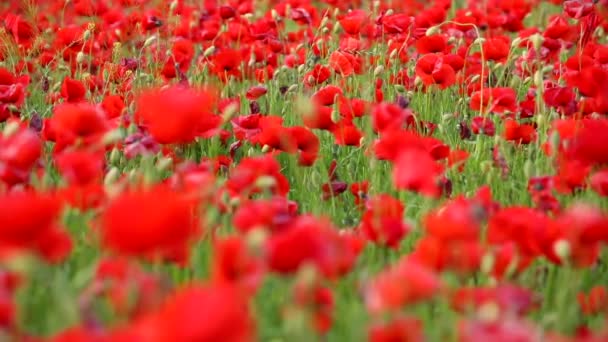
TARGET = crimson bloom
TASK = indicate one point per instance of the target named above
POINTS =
(28, 223)
(177, 114)
(154, 223)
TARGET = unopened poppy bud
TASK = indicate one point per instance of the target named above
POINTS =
(547, 69)
(489, 312)
(255, 239)
(275, 15)
(515, 82)
(537, 41)
(163, 164)
(432, 30)
(324, 21)
(418, 81)
(554, 141)
(229, 112)
(487, 263)
(527, 80)
(20, 263)
(307, 275)
(378, 71)
(475, 78)
(115, 156)
(335, 116)
(133, 175)
(266, 148)
(452, 41)
(149, 41)
(173, 6)
(265, 182)
(10, 128)
(389, 12)
(209, 51)
(515, 42)
(80, 57)
(304, 106)
(562, 249)
(393, 54)
(325, 30)
(528, 168)
(538, 79)
(86, 35)
(337, 27)
(399, 88)
(111, 177)
(497, 139)
(301, 68)
(362, 141)
(479, 40)
(292, 88)
(112, 136)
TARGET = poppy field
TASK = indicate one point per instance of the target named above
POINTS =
(303, 170)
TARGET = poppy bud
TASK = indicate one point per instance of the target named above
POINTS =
(209, 51)
(399, 88)
(516, 41)
(275, 15)
(479, 41)
(10, 128)
(229, 112)
(265, 182)
(487, 263)
(335, 116)
(528, 169)
(489, 312)
(173, 6)
(562, 249)
(255, 240)
(432, 30)
(115, 156)
(337, 27)
(378, 71)
(149, 41)
(112, 136)
(80, 57)
(537, 41)
(111, 177)
(164, 164)
(389, 12)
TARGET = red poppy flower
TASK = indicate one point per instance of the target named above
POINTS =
(176, 114)
(382, 221)
(432, 44)
(599, 182)
(402, 329)
(73, 90)
(19, 153)
(519, 133)
(405, 283)
(225, 310)
(234, 263)
(417, 171)
(155, 223)
(28, 223)
(354, 21)
(432, 70)
(313, 241)
(496, 48)
(73, 123)
(494, 100)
